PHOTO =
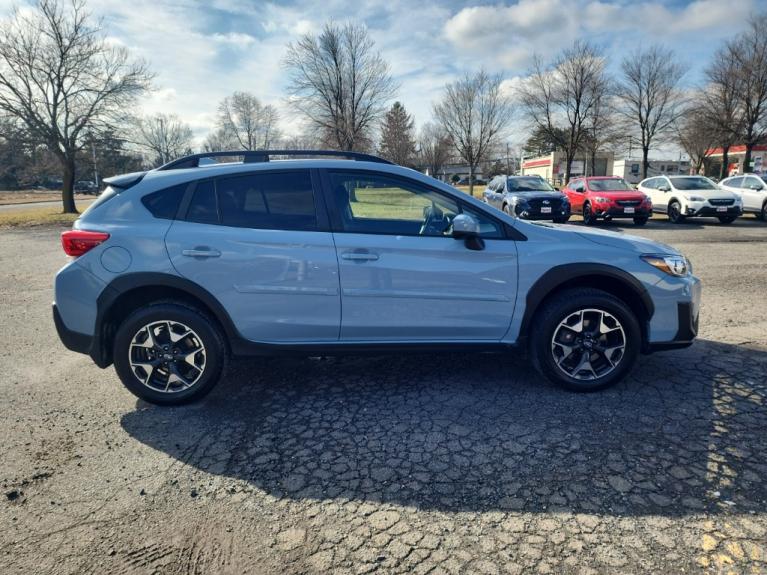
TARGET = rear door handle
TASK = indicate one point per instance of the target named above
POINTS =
(359, 256)
(201, 252)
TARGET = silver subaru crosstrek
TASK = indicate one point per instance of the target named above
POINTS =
(176, 269)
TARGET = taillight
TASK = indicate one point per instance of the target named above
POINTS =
(78, 242)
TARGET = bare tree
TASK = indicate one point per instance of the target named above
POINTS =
(696, 133)
(248, 123)
(749, 51)
(560, 99)
(218, 140)
(434, 148)
(720, 103)
(62, 79)
(474, 113)
(164, 137)
(339, 83)
(397, 136)
(650, 100)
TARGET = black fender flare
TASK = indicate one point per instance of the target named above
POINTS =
(559, 276)
(100, 352)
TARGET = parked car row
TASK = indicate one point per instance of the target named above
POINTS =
(608, 197)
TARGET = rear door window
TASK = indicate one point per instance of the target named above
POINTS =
(274, 200)
(203, 208)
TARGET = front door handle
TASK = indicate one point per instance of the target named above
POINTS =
(201, 252)
(359, 256)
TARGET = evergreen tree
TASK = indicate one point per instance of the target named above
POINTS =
(397, 136)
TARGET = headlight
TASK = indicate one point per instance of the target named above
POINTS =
(673, 265)
(601, 200)
(696, 199)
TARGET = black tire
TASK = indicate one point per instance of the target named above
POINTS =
(726, 219)
(763, 214)
(588, 216)
(640, 221)
(507, 210)
(203, 327)
(563, 305)
(561, 220)
(675, 213)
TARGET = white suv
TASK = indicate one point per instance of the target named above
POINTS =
(684, 197)
(752, 189)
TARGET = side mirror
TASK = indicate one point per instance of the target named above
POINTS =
(664, 188)
(466, 228)
(756, 187)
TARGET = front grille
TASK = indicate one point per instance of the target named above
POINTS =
(718, 202)
(536, 205)
(629, 202)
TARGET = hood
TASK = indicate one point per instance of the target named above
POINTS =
(537, 195)
(624, 241)
(616, 195)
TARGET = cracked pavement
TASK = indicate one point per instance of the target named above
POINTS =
(400, 464)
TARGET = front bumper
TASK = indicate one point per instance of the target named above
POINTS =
(693, 211)
(620, 212)
(533, 214)
(674, 324)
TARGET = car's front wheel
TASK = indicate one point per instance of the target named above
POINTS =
(588, 216)
(585, 339)
(169, 354)
(675, 213)
(763, 213)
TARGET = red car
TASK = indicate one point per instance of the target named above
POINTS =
(607, 197)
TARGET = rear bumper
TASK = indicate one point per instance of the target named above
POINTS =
(72, 340)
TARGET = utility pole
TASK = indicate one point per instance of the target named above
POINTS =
(508, 162)
(95, 165)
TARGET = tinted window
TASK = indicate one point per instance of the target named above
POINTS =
(734, 182)
(104, 197)
(202, 208)
(378, 204)
(610, 185)
(752, 183)
(528, 185)
(283, 201)
(693, 183)
(652, 183)
(164, 204)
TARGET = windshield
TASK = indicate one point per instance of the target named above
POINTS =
(693, 183)
(609, 185)
(528, 185)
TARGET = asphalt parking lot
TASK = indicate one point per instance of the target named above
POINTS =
(411, 464)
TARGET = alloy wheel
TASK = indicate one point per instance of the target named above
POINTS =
(167, 356)
(588, 344)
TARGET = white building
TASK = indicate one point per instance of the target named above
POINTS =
(631, 169)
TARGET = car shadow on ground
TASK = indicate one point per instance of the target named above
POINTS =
(684, 434)
(662, 223)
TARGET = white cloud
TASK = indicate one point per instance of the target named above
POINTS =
(235, 39)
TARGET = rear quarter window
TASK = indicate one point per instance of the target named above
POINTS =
(164, 203)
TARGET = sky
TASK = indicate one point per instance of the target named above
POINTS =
(202, 51)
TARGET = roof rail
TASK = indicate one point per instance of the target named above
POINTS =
(257, 156)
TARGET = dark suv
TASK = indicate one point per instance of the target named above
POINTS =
(528, 198)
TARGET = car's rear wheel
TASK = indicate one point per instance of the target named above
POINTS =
(763, 213)
(675, 213)
(169, 354)
(585, 339)
(588, 216)
(640, 221)
(726, 219)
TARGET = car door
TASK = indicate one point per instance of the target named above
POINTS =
(576, 191)
(752, 191)
(260, 243)
(403, 277)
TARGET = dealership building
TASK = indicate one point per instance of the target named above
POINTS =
(736, 156)
(552, 166)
